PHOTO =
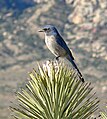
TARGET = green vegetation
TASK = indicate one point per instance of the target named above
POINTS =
(55, 92)
(103, 115)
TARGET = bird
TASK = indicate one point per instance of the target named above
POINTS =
(58, 46)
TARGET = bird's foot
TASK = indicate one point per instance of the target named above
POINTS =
(57, 58)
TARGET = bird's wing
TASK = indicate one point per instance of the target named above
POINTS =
(62, 43)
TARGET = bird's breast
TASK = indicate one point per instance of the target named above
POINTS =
(54, 47)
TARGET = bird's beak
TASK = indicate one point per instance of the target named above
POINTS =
(41, 30)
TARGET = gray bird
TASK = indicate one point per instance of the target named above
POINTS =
(57, 45)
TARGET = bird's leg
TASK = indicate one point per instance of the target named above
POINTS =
(57, 58)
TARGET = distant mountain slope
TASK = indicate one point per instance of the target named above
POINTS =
(16, 4)
(82, 24)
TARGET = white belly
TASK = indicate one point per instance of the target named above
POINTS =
(54, 47)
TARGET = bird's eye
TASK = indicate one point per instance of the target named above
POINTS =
(45, 29)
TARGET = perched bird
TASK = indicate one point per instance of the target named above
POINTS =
(57, 45)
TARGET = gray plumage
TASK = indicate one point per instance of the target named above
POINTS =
(57, 45)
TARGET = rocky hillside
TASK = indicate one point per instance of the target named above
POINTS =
(82, 24)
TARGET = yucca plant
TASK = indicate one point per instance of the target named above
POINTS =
(55, 92)
(103, 115)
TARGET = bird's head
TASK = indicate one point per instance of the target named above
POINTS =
(49, 30)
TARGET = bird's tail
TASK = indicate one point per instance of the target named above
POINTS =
(75, 66)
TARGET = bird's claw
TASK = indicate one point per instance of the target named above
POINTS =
(57, 58)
